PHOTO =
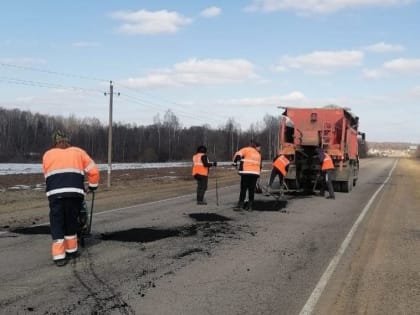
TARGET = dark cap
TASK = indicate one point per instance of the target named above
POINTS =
(202, 149)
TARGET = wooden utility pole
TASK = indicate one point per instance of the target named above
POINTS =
(111, 96)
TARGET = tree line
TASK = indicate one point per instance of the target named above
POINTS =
(25, 136)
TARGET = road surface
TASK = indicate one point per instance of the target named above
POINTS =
(353, 255)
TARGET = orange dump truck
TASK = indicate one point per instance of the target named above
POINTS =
(335, 129)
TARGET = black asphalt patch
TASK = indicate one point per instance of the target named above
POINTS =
(272, 205)
(39, 229)
(208, 217)
(147, 235)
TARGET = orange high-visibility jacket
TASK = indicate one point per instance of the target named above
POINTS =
(198, 166)
(281, 163)
(250, 160)
(327, 163)
(65, 169)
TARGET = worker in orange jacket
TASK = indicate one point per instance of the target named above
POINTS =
(200, 172)
(327, 167)
(250, 165)
(64, 167)
(280, 166)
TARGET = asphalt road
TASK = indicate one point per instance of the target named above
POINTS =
(175, 257)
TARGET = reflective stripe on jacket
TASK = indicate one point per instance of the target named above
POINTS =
(327, 163)
(281, 163)
(250, 161)
(65, 169)
(198, 166)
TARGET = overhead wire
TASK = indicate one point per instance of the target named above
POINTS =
(142, 101)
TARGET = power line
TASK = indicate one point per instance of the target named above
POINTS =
(153, 105)
(44, 84)
(51, 72)
(209, 115)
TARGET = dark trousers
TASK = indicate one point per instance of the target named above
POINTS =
(201, 186)
(64, 213)
(248, 183)
(326, 177)
(275, 172)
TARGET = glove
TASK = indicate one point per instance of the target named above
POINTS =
(92, 188)
(214, 163)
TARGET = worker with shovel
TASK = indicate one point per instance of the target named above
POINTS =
(280, 166)
(64, 167)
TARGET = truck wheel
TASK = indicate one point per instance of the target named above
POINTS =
(347, 185)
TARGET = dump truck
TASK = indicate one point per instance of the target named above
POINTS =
(332, 128)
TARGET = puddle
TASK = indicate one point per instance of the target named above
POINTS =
(147, 235)
(208, 217)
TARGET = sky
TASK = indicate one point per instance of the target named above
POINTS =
(211, 61)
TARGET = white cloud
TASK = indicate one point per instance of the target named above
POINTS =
(384, 47)
(373, 73)
(401, 66)
(211, 12)
(415, 91)
(86, 44)
(318, 6)
(321, 61)
(197, 71)
(147, 22)
(293, 98)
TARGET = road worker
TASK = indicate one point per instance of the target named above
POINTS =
(280, 166)
(250, 165)
(327, 167)
(200, 171)
(64, 167)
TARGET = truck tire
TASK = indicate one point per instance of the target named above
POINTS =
(347, 186)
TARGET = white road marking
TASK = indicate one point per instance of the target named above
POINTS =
(309, 307)
(138, 205)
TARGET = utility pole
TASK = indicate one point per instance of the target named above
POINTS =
(111, 96)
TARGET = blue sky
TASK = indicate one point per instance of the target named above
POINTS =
(208, 61)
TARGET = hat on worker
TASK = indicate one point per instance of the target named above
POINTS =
(59, 136)
(202, 149)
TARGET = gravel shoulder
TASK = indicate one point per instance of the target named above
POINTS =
(380, 270)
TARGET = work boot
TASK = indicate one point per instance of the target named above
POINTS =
(73, 255)
(60, 262)
(249, 208)
(201, 202)
(239, 206)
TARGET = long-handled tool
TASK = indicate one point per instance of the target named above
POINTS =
(318, 175)
(217, 189)
(91, 212)
(86, 215)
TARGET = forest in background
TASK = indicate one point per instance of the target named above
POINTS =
(25, 136)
